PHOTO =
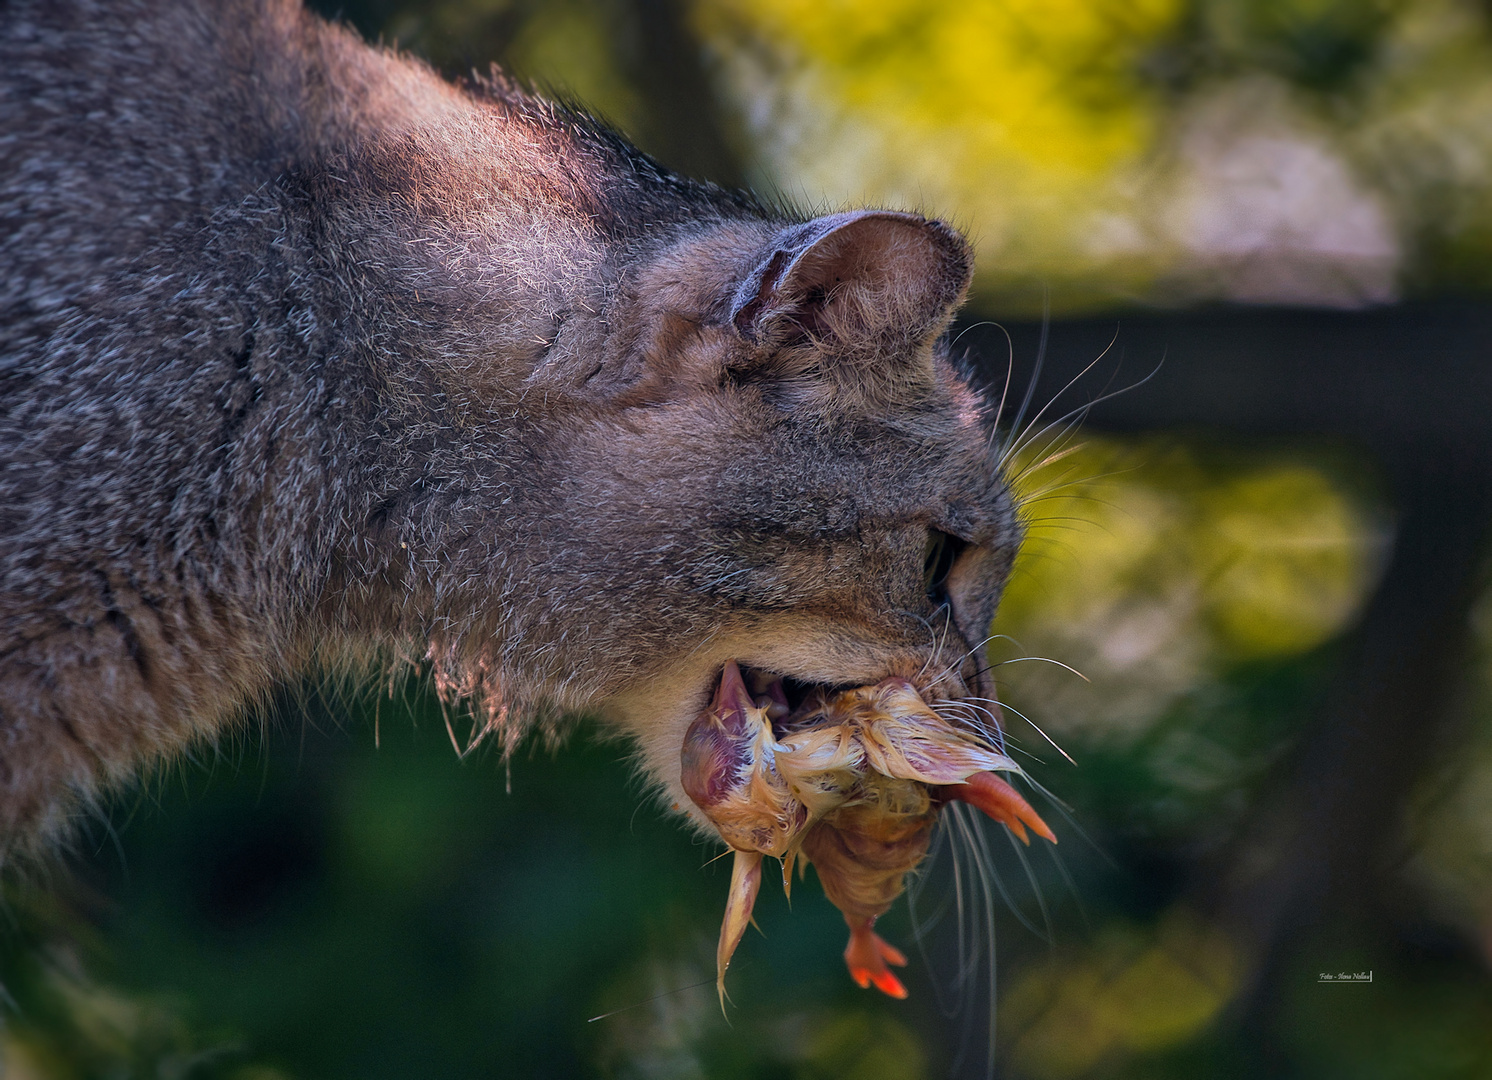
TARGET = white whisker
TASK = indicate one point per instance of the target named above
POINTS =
(1039, 731)
(1045, 660)
(986, 876)
(1077, 415)
(964, 656)
(1067, 815)
(986, 864)
(1020, 416)
(1046, 917)
(970, 713)
(1017, 444)
(1072, 886)
(1009, 376)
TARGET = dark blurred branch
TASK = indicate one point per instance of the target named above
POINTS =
(1396, 380)
(1325, 834)
(1413, 387)
(685, 123)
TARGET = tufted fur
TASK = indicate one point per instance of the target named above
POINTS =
(306, 354)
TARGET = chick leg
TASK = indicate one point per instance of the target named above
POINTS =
(867, 956)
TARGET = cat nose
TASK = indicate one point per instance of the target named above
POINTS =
(971, 592)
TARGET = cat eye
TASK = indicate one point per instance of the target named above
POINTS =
(941, 552)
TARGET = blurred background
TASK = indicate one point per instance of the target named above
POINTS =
(1261, 235)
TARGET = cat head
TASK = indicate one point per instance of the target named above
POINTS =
(748, 443)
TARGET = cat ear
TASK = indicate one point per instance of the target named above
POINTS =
(863, 278)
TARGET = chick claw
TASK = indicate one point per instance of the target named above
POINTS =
(987, 792)
(867, 955)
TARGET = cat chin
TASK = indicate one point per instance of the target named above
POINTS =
(656, 712)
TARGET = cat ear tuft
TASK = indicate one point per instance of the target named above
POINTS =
(863, 278)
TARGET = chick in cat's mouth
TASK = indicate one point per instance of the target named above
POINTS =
(849, 779)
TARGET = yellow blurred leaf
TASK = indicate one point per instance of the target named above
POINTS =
(1135, 990)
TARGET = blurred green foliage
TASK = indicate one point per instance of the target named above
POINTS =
(338, 895)
(336, 909)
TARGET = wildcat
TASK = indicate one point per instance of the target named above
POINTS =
(309, 357)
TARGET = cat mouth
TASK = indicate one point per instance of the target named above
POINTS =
(850, 779)
(791, 702)
(788, 701)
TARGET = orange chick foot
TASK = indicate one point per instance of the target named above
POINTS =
(1003, 803)
(867, 956)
